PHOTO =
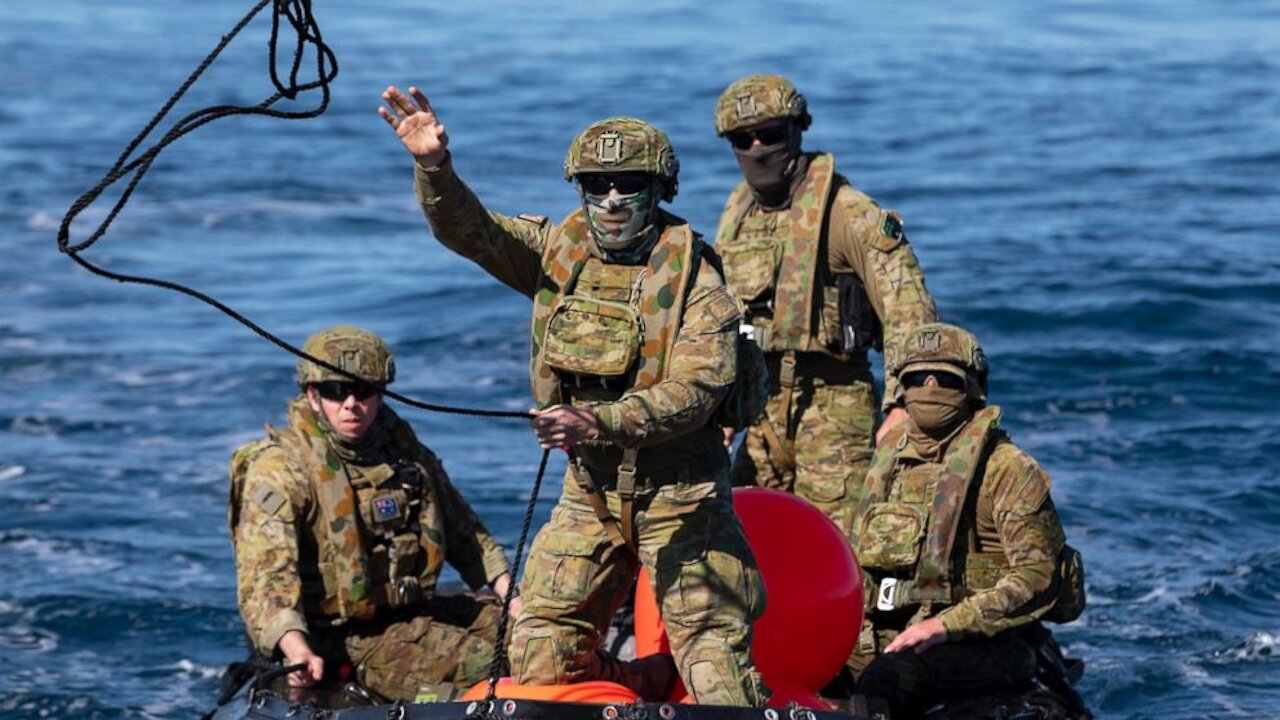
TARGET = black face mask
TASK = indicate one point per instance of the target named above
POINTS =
(770, 170)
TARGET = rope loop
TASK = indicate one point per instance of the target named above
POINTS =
(298, 17)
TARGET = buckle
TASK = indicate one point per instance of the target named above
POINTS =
(402, 591)
(787, 371)
(885, 600)
(627, 481)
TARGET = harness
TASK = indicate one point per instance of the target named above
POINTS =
(583, 342)
(910, 518)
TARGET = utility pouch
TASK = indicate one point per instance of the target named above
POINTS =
(586, 336)
(860, 328)
(1071, 596)
(750, 269)
(891, 536)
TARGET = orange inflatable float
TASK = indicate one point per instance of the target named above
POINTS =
(592, 691)
(814, 586)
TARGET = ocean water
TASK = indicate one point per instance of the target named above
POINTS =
(1090, 186)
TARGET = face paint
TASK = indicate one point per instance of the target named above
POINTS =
(619, 223)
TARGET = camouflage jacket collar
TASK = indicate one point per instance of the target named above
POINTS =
(369, 450)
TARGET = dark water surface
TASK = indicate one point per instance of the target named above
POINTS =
(1091, 186)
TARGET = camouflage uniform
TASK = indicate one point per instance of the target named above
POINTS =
(784, 264)
(650, 347)
(345, 542)
(963, 530)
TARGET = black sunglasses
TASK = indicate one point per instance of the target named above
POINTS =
(339, 390)
(626, 183)
(944, 379)
(767, 135)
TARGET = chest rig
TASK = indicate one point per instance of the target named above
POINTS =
(773, 263)
(590, 329)
(378, 528)
(910, 519)
(601, 326)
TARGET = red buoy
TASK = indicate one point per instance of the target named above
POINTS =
(814, 588)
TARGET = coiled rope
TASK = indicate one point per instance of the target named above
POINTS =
(135, 165)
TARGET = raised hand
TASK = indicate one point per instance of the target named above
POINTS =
(415, 124)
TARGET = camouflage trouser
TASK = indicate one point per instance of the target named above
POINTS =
(448, 640)
(913, 682)
(704, 576)
(833, 427)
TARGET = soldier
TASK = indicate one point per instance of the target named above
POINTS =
(340, 524)
(825, 275)
(961, 547)
(632, 348)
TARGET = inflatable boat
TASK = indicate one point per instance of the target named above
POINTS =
(801, 643)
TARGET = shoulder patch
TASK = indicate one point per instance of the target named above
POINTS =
(723, 310)
(891, 234)
(539, 220)
(266, 498)
(1027, 484)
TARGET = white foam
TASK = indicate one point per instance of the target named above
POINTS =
(12, 471)
(201, 672)
(1158, 593)
(58, 554)
(28, 640)
(1262, 646)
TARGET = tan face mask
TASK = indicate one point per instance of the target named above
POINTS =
(937, 410)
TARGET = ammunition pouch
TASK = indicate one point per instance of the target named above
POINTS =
(589, 337)
(859, 327)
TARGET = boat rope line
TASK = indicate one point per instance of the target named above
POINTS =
(134, 164)
(487, 708)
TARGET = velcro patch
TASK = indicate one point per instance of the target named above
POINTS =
(891, 232)
(269, 500)
(385, 508)
(723, 310)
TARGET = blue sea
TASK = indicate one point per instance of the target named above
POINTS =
(1091, 186)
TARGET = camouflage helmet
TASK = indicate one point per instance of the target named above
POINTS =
(759, 98)
(624, 144)
(353, 349)
(948, 348)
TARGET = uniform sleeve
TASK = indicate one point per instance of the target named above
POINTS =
(510, 249)
(887, 266)
(1015, 501)
(469, 547)
(703, 364)
(268, 585)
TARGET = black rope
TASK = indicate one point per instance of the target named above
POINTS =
(500, 646)
(263, 678)
(300, 18)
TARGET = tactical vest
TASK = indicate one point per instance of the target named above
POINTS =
(773, 263)
(378, 530)
(908, 522)
(579, 336)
